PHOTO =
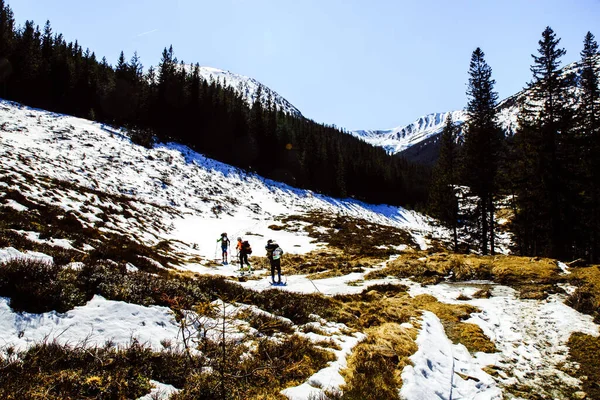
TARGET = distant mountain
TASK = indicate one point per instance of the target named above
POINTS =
(248, 88)
(398, 139)
(418, 141)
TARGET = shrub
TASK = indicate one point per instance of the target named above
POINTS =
(53, 371)
(38, 286)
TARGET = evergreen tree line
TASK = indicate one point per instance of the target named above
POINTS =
(173, 102)
(548, 171)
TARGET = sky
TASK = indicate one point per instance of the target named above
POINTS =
(350, 63)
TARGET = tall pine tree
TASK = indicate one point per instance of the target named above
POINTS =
(7, 26)
(442, 197)
(482, 146)
(588, 119)
(545, 124)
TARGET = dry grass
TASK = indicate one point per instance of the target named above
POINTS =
(586, 298)
(585, 350)
(471, 336)
(319, 264)
(534, 278)
(375, 366)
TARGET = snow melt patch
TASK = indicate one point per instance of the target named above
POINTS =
(96, 323)
(160, 391)
(10, 253)
(530, 335)
(433, 374)
(16, 206)
(328, 379)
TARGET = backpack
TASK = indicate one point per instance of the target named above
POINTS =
(277, 253)
(246, 247)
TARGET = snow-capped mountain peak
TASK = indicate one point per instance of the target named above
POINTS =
(402, 137)
(248, 88)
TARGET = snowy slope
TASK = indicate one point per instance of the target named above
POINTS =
(192, 198)
(248, 88)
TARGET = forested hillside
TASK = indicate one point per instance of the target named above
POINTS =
(172, 102)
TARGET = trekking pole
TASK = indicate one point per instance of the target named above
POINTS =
(314, 285)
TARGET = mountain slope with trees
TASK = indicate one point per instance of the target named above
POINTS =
(175, 102)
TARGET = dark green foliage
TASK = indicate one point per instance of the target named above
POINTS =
(544, 181)
(121, 248)
(294, 306)
(443, 201)
(143, 137)
(114, 373)
(482, 146)
(587, 231)
(260, 373)
(266, 324)
(174, 103)
(37, 286)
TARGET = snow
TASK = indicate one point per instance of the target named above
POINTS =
(190, 197)
(530, 335)
(329, 378)
(10, 253)
(13, 204)
(433, 374)
(248, 88)
(160, 391)
(95, 323)
(400, 138)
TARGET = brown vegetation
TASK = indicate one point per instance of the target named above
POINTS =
(532, 277)
(585, 350)
(586, 298)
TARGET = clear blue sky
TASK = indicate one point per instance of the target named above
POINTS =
(357, 64)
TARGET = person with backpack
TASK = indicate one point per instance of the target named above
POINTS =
(224, 246)
(274, 253)
(244, 249)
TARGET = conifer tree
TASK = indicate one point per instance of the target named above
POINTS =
(545, 124)
(7, 24)
(588, 119)
(442, 197)
(482, 145)
(7, 30)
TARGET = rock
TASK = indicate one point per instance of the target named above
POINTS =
(580, 395)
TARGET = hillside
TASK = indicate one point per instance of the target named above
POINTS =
(111, 283)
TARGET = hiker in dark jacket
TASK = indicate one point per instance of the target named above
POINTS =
(224, 246)
(274, 253)
(243, 248)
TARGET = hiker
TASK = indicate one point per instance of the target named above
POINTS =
(244, 249)
(274, 253)
(224, 246)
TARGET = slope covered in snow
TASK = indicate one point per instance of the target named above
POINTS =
(248, 88)
(170, 182)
